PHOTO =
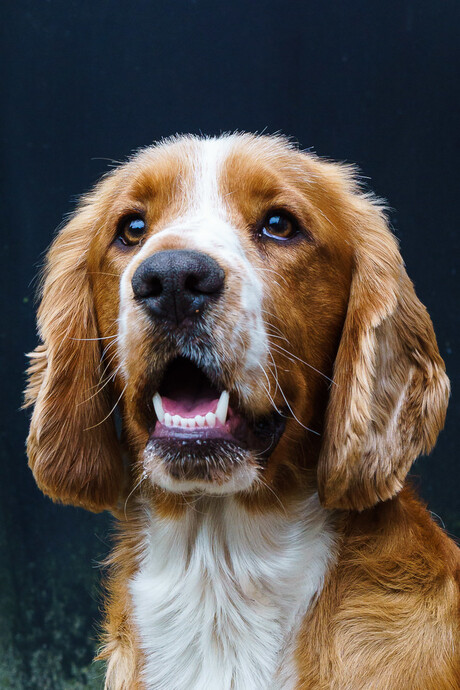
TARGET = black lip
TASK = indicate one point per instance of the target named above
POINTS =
(192, 435)
(263, 435)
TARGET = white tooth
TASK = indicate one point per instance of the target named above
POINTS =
(191, 422)
(211, 419)
(176, 420)
(158, 407)
(199, 420)
(168, 419)
(222, 407)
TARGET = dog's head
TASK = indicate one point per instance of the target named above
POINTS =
(246, 307)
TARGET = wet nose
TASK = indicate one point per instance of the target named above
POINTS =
(176, 285)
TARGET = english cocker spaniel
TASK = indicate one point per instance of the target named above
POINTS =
(245, 307)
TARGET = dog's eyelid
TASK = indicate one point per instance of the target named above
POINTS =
(131, 214)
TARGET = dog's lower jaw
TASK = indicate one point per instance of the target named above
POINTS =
(186, 462)
(218, 593)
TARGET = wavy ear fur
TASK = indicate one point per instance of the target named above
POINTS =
(391, 396)
(72, 445)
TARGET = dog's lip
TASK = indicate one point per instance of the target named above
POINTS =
(197, 435)
(260, 435)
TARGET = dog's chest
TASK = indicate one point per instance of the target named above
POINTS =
(219, 595)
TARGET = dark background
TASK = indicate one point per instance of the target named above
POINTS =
(364, 81)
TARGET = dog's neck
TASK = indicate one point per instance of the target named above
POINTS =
(219, 592)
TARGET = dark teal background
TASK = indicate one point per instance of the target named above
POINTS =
(370, 82)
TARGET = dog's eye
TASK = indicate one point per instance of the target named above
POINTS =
(131, 230)
(279, 225)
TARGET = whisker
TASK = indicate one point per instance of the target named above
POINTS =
(106, 349)
(264, 483)
(191, 504)
(108, 379)
(268, 394)
(266, 376)
(287, 403)
(107, 337)
(277, 331)
(290, 354)
(274, 316)
(275, 371)
(111, 411)
(280, 337)
(108, 363)
(143, 478)
(270, 270)
(295, 416)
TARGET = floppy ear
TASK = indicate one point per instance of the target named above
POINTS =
(72, 445)
(391, 396)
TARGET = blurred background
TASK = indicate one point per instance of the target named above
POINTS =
(85, 83)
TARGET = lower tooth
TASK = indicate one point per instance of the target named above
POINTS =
(176, 420)
(199, 420)
(211, 419)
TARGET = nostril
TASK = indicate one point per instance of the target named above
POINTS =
(155, 287)
(193, 284)
(205, 282)
(145, 286)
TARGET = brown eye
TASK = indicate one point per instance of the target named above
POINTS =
(279, 225)
(131, 231)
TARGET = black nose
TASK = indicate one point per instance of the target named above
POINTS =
(175, 285)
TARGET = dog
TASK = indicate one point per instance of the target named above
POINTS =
(243, 307)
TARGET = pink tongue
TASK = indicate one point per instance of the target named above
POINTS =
(188, 407)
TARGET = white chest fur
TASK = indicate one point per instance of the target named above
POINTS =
(219, 594)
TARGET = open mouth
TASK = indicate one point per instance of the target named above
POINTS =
(191, 410)
(189, 406)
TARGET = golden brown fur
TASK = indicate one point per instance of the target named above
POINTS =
(387, 617)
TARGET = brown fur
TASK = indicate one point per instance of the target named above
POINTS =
(388, 614)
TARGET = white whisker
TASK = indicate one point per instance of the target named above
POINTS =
(143, 477)
(111, 411)
(290, 354)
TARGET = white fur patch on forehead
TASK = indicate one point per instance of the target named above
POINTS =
(205, 222)
(211, 157)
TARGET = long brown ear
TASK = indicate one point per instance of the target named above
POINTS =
(391, 396)
(72, 444)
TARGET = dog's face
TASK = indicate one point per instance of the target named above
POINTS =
(228, 295)
(248, 310)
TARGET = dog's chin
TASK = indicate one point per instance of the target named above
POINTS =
(212, 461)
(211, 466)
